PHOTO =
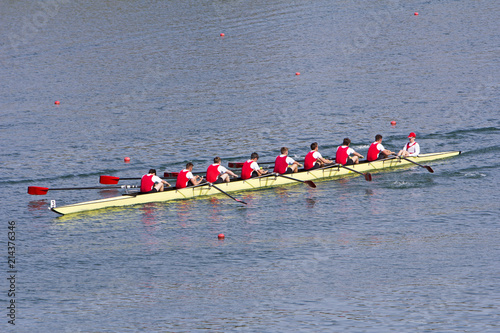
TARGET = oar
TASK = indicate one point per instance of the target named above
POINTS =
(241, 201)
(420, 165)
(37, 190)
(368, 176)
(113, 180)
(307, 182)
(240, 164)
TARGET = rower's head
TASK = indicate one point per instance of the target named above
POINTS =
(314, 146)
(152, 171)
(378, 138)
(189, 166)
(412, 136)
(346, 142)
(284, 151)
(254, 156)
(217, 160)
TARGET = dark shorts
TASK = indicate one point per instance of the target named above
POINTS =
(254, 174)
(315, 166)
(218, 181)
(152, 191)
(349, 162)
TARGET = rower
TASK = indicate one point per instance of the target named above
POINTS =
(151, 183)
(377, 150)
(313, 159)
(343, 153)
(186, 178)
(285, 164)
(412, 148)
(216, 173)
(251, 169)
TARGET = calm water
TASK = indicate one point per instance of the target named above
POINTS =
(154, 80)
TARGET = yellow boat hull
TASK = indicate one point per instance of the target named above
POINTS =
(245, 185)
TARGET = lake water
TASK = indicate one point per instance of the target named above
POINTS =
(155, 81)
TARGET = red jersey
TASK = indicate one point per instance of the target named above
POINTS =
(280, 165)
(341, 156)
(182, 179)
(309, 160)
(147, 183)
(373, 152)
(246, 170)
(213, 173)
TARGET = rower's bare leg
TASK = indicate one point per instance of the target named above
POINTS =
(294, 167)
(355, 159)
(225, 177)
(159, 187)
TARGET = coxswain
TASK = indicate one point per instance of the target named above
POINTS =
(377, 150)
(313, 159)
(216, 173)
(150, 182)
(186, 178)
(251, 169)
(344, 152)
(412, 148)
(285, 164)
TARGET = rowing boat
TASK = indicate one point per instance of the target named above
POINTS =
(265, 181)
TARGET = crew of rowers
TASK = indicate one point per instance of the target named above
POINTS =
(284, 164)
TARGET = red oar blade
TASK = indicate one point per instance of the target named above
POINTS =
(429, 168)
(37, 190)
(170, 174)
(235, 164)
(310, 183)
(368, 176)
(109, 180)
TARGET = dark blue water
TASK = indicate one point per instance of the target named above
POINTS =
(155, 81)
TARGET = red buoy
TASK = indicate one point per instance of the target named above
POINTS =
(126, 159)
(221, 236)
(393, 123)
(297, 73)
(222, 34)
(56, 102)
(416, 13)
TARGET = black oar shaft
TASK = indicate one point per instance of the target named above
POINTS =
(229, 195)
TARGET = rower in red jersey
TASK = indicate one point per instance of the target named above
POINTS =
(216, 173)
(251, 169)
(186, 178)
(285, 164)
(313, 159)
(412, 148)
(150, 182)
(377, 151)
(344, 152)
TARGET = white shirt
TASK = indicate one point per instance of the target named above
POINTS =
(221, 168)
(414, 150)
(189, 175)
(289, 160)
(349, 150)
(254, 165)
(155, 179)
(317, 155)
